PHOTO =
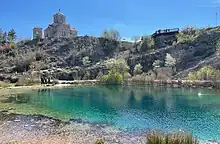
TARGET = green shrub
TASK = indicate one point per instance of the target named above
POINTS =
(100, 141)
(117, 65)
(205, 73)
(13, 45)
(127, 75)
(112, 34)
(138, 69)
(12, 35)
(170, 61)
(188, 34)
(192, 76)
(157, 64)
(112, 78)
(176, 138)
(86, 61)
(149, 44)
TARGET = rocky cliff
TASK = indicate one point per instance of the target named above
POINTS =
(63, 57)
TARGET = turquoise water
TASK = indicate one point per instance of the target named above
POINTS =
(135, 108)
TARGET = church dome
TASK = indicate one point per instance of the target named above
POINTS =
(59, 13)
(59, 18)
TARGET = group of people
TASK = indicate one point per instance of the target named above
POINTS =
(45, 78)
(166, 30)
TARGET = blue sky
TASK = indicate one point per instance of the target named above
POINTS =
(91, 17)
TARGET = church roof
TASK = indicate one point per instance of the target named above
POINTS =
(67, 25)
(59, 13)
(37, 27)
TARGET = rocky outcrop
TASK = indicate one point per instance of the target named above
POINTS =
(65, 52)
(77, 73)
(12, 78)
(188, 55)
(64, 56)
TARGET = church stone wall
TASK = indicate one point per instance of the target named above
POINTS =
(59, 28)
(48, 32)
(73, 33)
(59, 18)
(37, 33)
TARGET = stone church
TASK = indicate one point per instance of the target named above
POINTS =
(57, 29)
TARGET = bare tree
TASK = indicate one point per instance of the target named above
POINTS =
(111, 34)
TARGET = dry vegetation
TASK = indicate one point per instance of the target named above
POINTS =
(173, 138)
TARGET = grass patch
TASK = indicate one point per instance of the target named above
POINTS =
(172, 138)
(4, 84)
(205, 73)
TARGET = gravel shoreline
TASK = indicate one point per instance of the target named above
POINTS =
(41, 129)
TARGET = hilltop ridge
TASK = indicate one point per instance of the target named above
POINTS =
(66, 56)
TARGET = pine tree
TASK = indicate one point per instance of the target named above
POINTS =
(12, 35)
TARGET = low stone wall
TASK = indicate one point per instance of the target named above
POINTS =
(181, 83)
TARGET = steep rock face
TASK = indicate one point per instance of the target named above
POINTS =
(77, 73)
(71, 52)
(64, 52)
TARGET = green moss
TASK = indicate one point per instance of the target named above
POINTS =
(23, 108)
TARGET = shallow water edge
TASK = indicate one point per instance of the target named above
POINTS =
(43, 129)
(74, 123)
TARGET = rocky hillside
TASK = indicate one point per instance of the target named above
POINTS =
(83, 57)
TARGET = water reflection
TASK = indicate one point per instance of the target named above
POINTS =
(17, 99)
(134, 108)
